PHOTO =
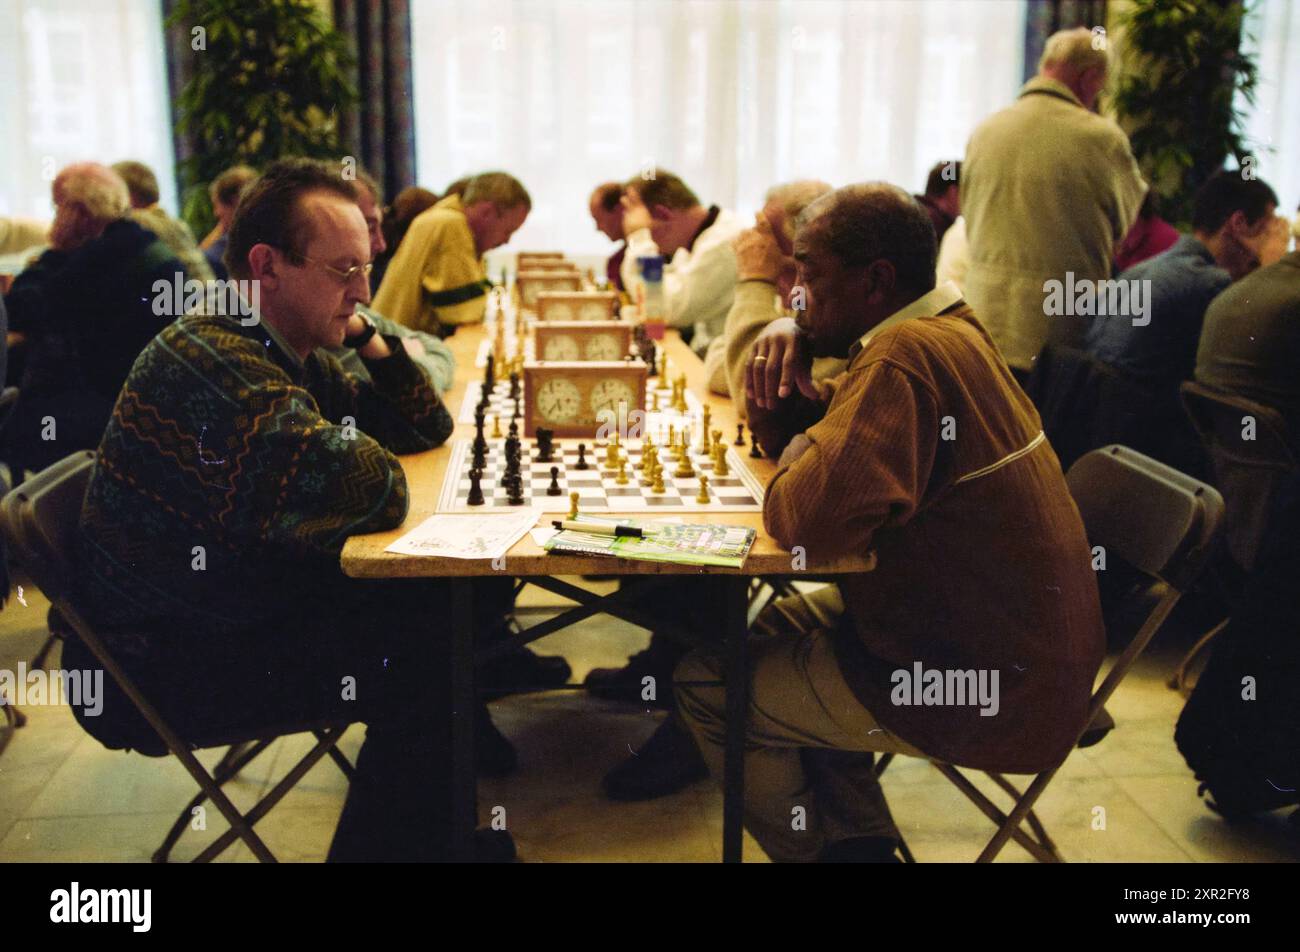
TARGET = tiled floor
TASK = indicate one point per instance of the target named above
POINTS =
(64, 797)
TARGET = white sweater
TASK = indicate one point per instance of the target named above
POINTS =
(698, 283)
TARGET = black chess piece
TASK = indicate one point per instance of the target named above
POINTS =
(545, 449)
(515, 414)
(740, 435)
(475, 487)
(582, 457)
(490, 374)
(514, 385)
(554, 488)
(514, 429)
(755, 451)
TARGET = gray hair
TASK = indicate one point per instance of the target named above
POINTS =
(859, 224)
(793, 198)
(500, 188)
(1075, 50)
(96, 188)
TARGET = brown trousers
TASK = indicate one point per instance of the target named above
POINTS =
(809, 742)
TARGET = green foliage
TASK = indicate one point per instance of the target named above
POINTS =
(1178, 98)
(270, 83)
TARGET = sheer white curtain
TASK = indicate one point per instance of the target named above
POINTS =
(1273, 125)
(733, 96)
(80, 80)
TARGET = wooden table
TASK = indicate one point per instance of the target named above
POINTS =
(364, 557)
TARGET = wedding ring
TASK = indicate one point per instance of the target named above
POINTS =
(758, 359)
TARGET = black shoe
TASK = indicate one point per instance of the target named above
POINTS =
(494, 755)
(494, 846)
(626, 684)
(669, 761)
(861, 849)
(521, 671)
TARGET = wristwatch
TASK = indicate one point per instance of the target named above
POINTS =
(356, 342)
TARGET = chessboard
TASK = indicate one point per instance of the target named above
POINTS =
(597, 486)
(502, 407)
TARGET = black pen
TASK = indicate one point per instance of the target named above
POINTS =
(629, 531)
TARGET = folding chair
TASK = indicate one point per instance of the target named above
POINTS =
(1163, 524)
(1252, 469)
(39, 518)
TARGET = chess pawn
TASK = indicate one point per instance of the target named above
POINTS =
(496, 427)
(684, 468)
(611, 452)
(657, 485)
(654, 401)
(621, 478)
(573, 505)
(740, 435)
(703, 495)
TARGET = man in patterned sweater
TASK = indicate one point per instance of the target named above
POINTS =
(237, 462)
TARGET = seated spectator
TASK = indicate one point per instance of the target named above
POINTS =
(870, 469)
(1234, 230)
(662, 216)
(606, 207)
(209, 542)
(1250, 344)
(764, 283)
(436, 280)
(428, 352)
(224, 193)
(142, 185)
(942, 198)
(86, 308)
(397, 219)
(1149, 236)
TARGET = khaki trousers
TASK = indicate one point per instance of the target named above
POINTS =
(809, 742)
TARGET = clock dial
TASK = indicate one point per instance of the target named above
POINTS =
(609, 394)
(559, 311)
(561, 348)
(594, 311)
(600, 347)
(558, 400)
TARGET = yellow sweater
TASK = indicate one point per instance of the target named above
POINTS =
(436, 278)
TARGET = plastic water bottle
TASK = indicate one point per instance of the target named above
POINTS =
(652, 278)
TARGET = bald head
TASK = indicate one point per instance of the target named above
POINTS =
(87, 197)
(783, 204)
(605, 205)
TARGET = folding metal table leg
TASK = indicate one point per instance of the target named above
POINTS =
(464, 778)
(733, 784)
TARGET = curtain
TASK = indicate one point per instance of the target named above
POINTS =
(380, 133)
(1045, 17)
(1272, 37)
(734, 97)
(79, 79)
(180, 69)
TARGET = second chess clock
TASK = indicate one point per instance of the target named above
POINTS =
(574, 398)
(582, 340)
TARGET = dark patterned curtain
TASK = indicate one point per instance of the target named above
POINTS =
(180, 67)
(1045, 17)
(380, 132)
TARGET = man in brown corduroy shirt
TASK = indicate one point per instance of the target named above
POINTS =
(977, 637)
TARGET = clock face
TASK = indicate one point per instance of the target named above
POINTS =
(610, 394)
(559, 311)
(600, 347)
(558, 400)
(594, 311)
(562, 347)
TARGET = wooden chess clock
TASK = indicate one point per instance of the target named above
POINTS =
(537, 259)
(530, 283)
(577, 398)
(576, 305)
(582, 340)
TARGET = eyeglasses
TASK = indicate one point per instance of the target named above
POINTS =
(344, 276)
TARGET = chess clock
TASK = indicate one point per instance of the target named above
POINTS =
(582, 340)
(530, 283)
(575, 398)
(576, 305)
(527, 260)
